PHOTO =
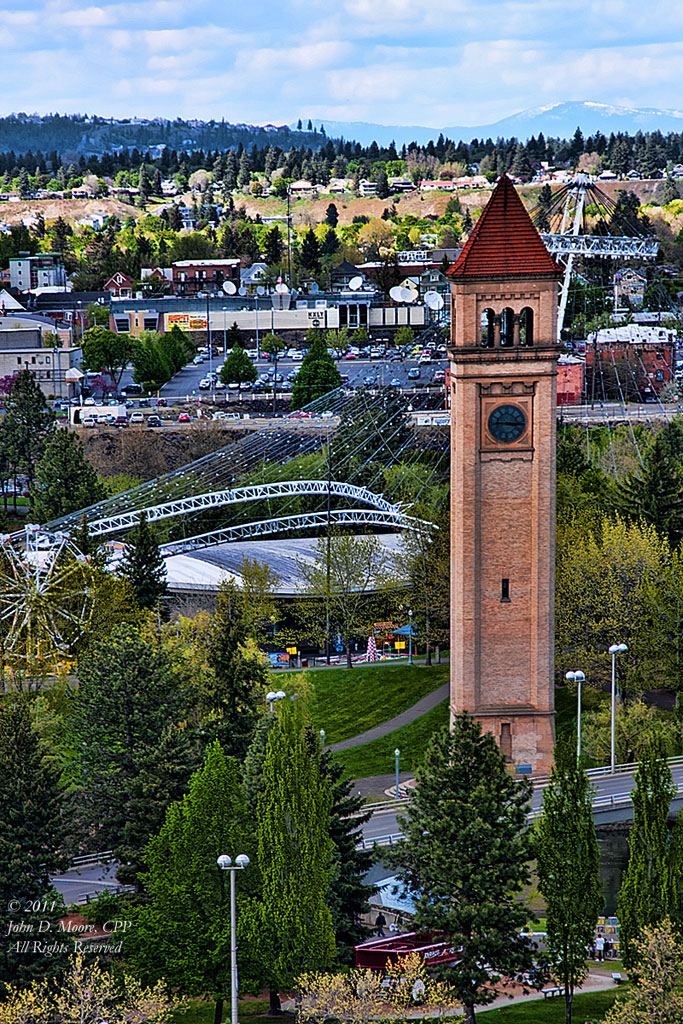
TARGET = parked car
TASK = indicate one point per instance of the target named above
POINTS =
(89, 421)
(184, 417)
(439, 376)
(162, 402)
(414, 373)
(205, 383)
(153, 421)
(137, 417)
(394, 383)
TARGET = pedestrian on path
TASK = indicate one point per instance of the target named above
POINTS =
(380, 922)
(599, 947)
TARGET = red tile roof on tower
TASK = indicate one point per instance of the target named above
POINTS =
(504, 241)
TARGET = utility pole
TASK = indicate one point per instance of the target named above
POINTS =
(328, 567)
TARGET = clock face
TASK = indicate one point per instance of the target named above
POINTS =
(507, 423)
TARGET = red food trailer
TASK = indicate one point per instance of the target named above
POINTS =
(378, 954)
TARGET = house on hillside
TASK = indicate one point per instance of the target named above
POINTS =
(120, 285)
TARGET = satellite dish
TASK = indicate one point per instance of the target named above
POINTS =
(260, 290)
(229, 288)
(355, 283)
(281, 288)
(433, 300)
(396, 293)
(242, 290)
(408, 295)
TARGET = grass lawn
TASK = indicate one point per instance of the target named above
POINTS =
(377, 758)
(201, 1012)
(346, 702)
(586, 1006)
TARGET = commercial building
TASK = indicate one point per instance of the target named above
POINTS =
(44, 270)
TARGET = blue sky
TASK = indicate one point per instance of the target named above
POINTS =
(427, 62)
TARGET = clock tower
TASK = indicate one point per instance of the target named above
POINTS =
(503, 356)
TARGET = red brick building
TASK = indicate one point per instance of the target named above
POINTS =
(192, 277)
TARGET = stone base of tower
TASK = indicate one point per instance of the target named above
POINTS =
(525, 735)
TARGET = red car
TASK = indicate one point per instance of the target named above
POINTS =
(184, 417)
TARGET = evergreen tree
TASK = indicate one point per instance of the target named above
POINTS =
(568, 870)
(645, 893)
(655, 493)
(128, 710)
(143, 564)
(318, 373)
(332, 215)
(32, 831)
(273, 246)
(291, 922)
(238, 368)
(230, 698)
(309, 254)
(244, 173)
(26, 425)
(65, 482)
(542, 214)
(233, 336)
(182, 934)
(383, 190)
(465, 853)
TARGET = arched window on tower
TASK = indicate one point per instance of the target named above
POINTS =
(488, 328)
(526, 327)
(507, 328)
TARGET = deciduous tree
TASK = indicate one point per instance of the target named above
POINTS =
(182, 933)
(645, 893)
(568, 870)
(105, 351)
(291, 922)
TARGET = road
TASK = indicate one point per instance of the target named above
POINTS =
(385, 824)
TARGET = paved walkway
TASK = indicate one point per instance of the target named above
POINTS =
(409, 715)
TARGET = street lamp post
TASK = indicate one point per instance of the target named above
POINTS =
(274, 695)
(397, 754)
(577, 677)
(322, 737)
(614, 650)
(225, 334)
(225, 864)
(410, 636)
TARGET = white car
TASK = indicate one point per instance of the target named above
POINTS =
(89, 421)
(298, 357)
(137, 417)
(198, 360)
(90, 401)
(205, 383)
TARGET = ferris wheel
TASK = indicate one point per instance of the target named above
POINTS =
(46, 598)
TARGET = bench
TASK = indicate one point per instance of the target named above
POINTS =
(616, 977)
(557, 990)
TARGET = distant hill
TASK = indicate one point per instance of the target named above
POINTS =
(560, 120)
(96, 135)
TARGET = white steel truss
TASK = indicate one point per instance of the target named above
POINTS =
(304, 520)
(238, 495)
(601, 245)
